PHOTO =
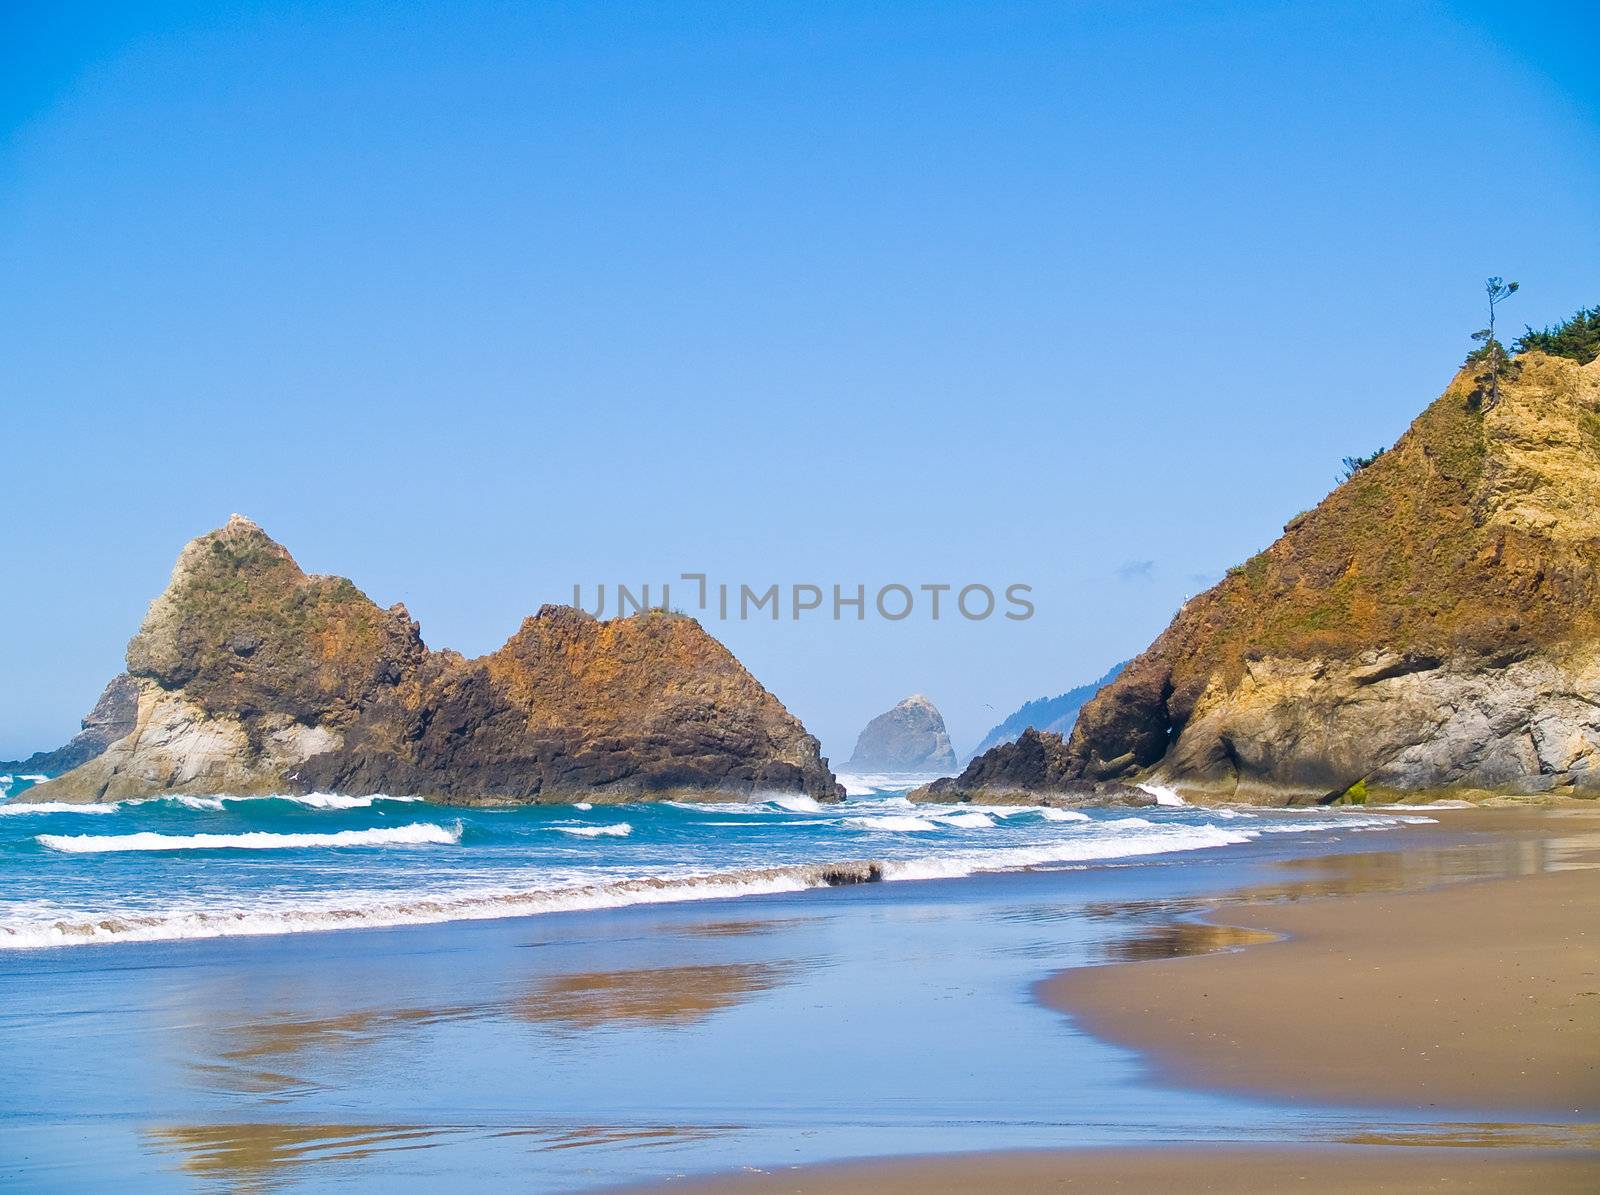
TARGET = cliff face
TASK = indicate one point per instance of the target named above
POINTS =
(253, 677)
(1434, 623)
(909, 738)
(111, 718)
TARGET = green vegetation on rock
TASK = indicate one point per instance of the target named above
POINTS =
(1577, 338)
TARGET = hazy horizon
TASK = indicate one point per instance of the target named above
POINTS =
(480, 304)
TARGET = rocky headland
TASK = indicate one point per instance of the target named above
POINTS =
(249, 676)
(1433, 625)
(111, 718)
(909, 738)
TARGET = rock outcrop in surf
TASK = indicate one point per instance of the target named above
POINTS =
(909, 738)
(1434, 624)
(253, 677)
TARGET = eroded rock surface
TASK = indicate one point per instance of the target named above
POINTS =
(1433, 624)
(254, 677)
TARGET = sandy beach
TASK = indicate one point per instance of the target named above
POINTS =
(1462, 976)
(1171, 1171)
(1477, 995)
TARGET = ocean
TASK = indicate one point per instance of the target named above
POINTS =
(204, 867)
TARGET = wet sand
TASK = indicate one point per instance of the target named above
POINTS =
(1332, 1170)
(1462, 974)
(1482, 995)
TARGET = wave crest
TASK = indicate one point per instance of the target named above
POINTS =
(423, 833)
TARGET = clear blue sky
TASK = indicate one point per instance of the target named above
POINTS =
(472, 301)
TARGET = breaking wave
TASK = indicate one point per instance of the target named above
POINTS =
(891, 823)
(19, 808)
(45, 926)
(620, 830)
(308, 800)
(87, 844)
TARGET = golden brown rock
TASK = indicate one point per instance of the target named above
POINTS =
(1433, 624)
(255, 677)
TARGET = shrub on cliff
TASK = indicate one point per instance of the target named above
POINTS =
(1354, 465)
(1578, 337)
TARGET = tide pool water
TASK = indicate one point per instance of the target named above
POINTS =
(206, 867)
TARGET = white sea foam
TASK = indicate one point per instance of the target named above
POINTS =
(867, 784)
(44, 925)
(967, 821)
(18, 808)
(1159, 841)
(620, 830)
(35, 924)
(787, 802)
(206, 803)
(796, 803)
(583, 805)
(1051, 814)
(415, 835)
(36, 778)
(308, 800)
(891, 823)
(1164, 796)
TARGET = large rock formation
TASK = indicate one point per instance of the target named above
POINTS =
(253, 677)
(111, 718)
(909, 738)
(1433, 624)
(1056, 714)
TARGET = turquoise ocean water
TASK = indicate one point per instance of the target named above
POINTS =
(201, 867)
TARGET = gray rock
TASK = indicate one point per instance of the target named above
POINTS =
(909, 738)
(111, 718)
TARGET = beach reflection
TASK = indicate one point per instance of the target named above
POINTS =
(258, 1057)
(734, 929)
(256, 1157)
(1181, 939)
(263, 1156)
(659, 996)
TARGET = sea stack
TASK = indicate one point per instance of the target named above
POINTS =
(254, 677)
(1433, 625)
(909, 738)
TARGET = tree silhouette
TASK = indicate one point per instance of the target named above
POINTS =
(1492, 356)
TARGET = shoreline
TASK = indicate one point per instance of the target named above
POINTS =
(1176, 1170)
(1476, 963)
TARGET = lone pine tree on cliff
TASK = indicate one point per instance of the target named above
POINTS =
(1492, 356)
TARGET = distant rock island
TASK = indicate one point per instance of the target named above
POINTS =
(111, 718)
(249, 676)
(1434, 624)
(1055, 714)
(909, 738)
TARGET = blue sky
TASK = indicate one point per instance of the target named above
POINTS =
(471, 302)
